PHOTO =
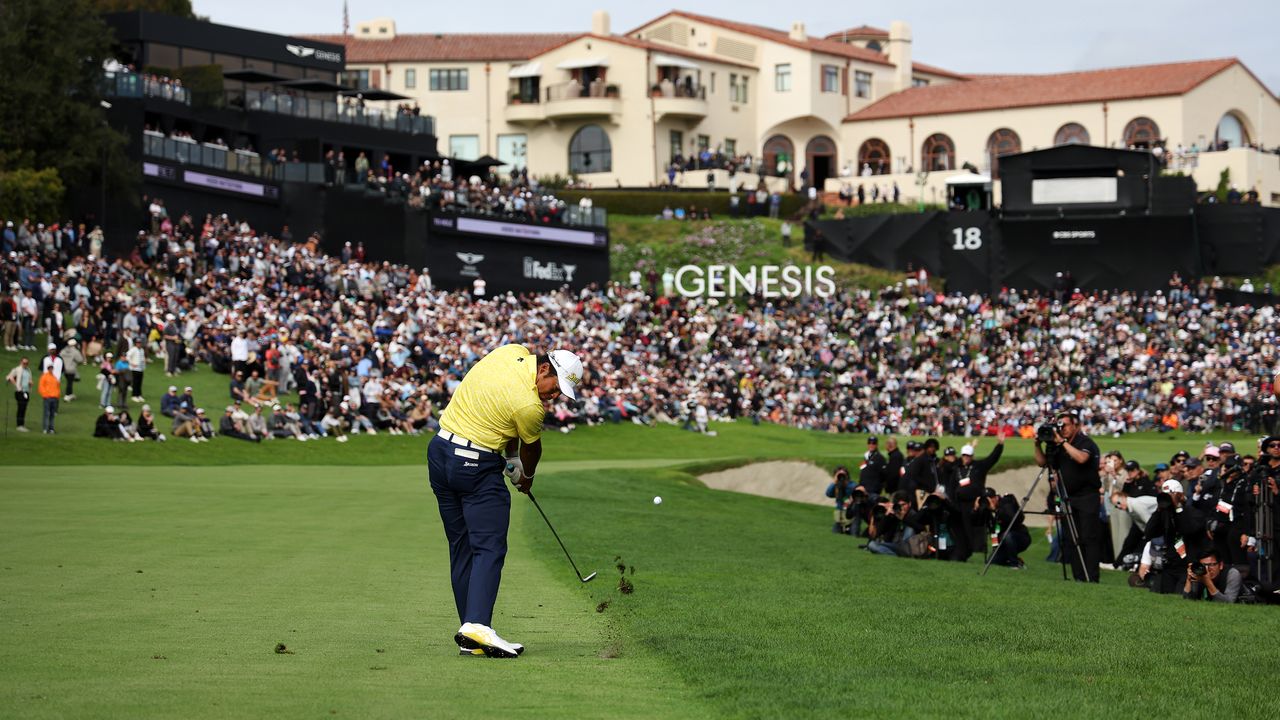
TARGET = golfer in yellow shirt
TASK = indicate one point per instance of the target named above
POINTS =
(496, 412)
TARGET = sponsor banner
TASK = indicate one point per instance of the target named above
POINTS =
(520, 231)
(470, 263)
(554, 271)
(160, 171)
(242, 187)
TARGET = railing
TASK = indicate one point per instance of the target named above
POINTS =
(572, 215)
(129, 84)
(573, 89)
(217, 157)
(124, 84)
(673, 90)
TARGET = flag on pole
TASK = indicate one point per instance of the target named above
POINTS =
(346, 19)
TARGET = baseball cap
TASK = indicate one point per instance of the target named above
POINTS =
(966, 450)
(989, 492)
(110, 409)
(568, 367)
(1180, 455)
(949, 451)
(199, 411)
(914, 445)
(1226, 447)
(53, 346)
(1212, 451)
(1171, 486)
(872, 439)
(173, 388)
(1132, 465)
(1160, 467)
(1191, 463)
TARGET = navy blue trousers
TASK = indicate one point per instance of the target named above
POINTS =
(475, 506)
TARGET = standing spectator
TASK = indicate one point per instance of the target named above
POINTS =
(172, 344)
(52, 363)
(136, 356)
(9, 320)
(72, 359)
(106, 380)
(50, 391)
(20, 378)
(786, 233)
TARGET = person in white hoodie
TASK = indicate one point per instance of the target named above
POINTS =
(136, 356)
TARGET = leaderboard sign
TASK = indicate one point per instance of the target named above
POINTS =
(514, 256)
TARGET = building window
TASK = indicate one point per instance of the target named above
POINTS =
(730, 147)
(704, 142)
(782, 77)
(448, 79)
(410, 79)
(938, 153)
(1001, 142)
(589, 151)
(830, 79)
(1141, 132)
(919, 82)
(874, 158)
(1230, 133)
(511, 151)
(862, 84)
(464, 147)
(737, 88)
(713, 82)
(677, 145)
(1071, 134)
(355, 79)
(875, 46)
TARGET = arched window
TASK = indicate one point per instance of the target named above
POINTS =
(875, 46)
(938, 153)
(779, 156)
(874, 154)
(1071, 134)
(1230, 132)
(1141, 132)
(1002, 142)
(589, 151)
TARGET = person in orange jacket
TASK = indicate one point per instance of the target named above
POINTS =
(50, 389)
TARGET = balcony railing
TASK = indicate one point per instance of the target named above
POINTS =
(573, 90)
(123, 84)
(217, 157)
(129, 84)
(667, 89)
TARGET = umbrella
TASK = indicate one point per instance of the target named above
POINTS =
(253, 75)
(374, 94)
(313, 85)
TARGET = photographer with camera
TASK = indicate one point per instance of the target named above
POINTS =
(1074, 459)
(1230, 520)
(1136, 500)
(921, 476)
(840, 490)
(1000, 516)
(1205, 580)
(893, 524)
(1176, 534)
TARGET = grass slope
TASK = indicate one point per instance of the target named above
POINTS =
(162, 592)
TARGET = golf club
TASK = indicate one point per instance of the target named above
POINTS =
(586, 579)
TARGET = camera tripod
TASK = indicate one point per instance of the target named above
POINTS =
(1265, 523)
(1055, 482)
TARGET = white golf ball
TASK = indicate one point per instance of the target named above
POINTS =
(657, 501)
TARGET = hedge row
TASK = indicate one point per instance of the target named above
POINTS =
(652, 202)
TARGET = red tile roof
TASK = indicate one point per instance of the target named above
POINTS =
(829, 47)
(935, 70)
(1013, 91)
(448, 47)
(646, 45)
(860, 31)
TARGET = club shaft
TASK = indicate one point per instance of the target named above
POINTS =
(556, 535)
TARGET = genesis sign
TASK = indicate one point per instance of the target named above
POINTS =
(768, 281)
(303, 51)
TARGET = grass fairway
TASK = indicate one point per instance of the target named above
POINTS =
(743, 606)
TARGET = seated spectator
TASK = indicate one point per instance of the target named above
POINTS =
(170, 401)
(147, 426)
(230, 426)
(107, 425)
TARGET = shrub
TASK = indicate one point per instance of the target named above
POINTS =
(27, 193)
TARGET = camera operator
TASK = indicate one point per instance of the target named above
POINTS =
(1265, 487)
(840, 490)
(1176, 533)
(1230, 521)
(893, 466)
(1075, 458)
(1205, 580)
(893, 523)
(874, 464)
(938, 515)
(970, 484)
(1000, 516)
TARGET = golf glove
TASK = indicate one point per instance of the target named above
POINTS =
(514, 470)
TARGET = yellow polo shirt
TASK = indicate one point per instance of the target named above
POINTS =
(497, 400)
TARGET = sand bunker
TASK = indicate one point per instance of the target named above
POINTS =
(807, 483)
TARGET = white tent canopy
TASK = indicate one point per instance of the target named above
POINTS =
(969, 179)
(601, 61)
(529, 69)
(664, 60)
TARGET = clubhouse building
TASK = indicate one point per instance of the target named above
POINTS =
(850, 108)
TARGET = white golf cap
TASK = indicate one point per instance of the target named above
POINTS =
(966, 450)
(110, 409)
(568, 367)
(53, 346)
(1171, 486)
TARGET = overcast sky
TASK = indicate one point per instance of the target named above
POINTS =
(978, 36)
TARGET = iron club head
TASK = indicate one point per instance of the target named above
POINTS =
(589, 578)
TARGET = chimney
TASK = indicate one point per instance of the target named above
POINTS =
(797, 31)
(600, 23)
(900, 54)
